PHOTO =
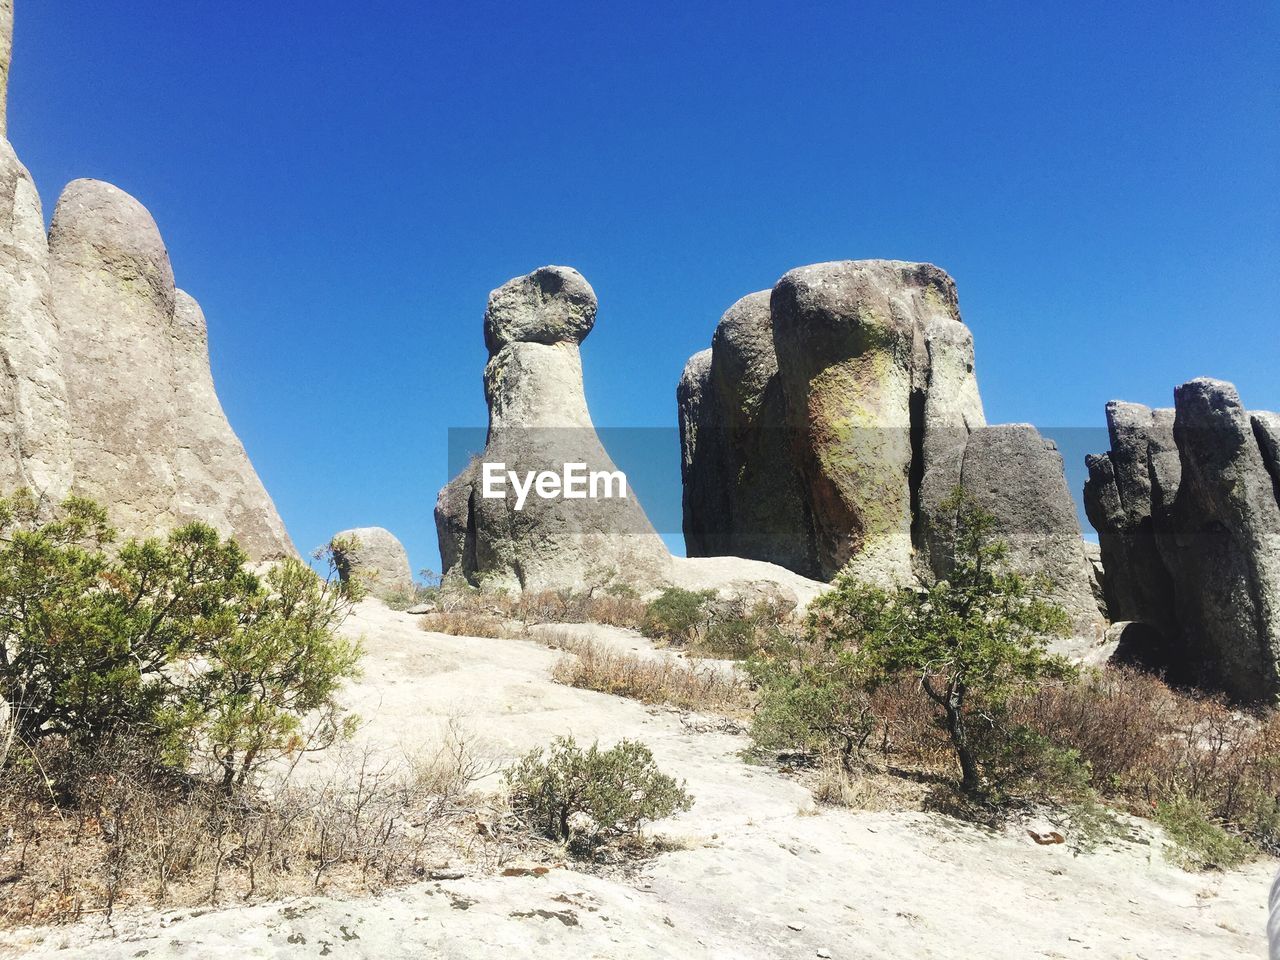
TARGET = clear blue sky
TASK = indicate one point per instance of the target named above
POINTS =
(341, 185)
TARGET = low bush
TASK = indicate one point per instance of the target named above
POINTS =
(588, 798)
(677, 615)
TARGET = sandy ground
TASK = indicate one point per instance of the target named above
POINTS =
(762, 872)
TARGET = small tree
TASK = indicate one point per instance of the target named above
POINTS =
(282, 663)
(173, 641)
(971, 640)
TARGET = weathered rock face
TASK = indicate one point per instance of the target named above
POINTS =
(837, 409)
(844, 334)
(1118, 499)
(830, 424)
(742, 488)
(1188, 515)
(214, 479)
(148, 438)
(375, 558)
(114, 302)
(35, 447)
(538, 421)
(1017, 476)
(6, 57)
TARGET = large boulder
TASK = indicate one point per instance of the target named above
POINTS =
(1119, 502)
(1187, 507)
(214, 479)
(844, 334)
(833, 414)
(1013, 473)
(374, 558)
(538, 421)
(148, 437)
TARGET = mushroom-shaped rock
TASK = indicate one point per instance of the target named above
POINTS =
(539, 423)
(375, 559)
(550, 305)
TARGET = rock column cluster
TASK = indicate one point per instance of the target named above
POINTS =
(105, 385)
(1187, 508)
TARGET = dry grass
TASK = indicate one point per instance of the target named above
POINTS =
(467, 612)
(113, 832)
(665, 680)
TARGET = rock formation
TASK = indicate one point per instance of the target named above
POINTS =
(835, 408)
(105, 387)
(1017, 476)
(742, 496)
(833, 418)
(376, 559)
(538, 421)
(1188, 515)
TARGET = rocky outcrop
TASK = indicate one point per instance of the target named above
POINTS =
(375, 559)
(538, 421)
(835, 411)
(148, 438)
(1119, 502)
(1016, 475)
(1189, 521)
(742, 489)
(6, 57)
(834, 418)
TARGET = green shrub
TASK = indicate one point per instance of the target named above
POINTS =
(588, 798)
(811, 699)
(171, 643)
(676, 615)
(1202, 844)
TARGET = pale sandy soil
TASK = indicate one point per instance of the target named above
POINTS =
(762, 873)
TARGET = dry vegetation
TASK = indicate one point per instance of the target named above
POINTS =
(658, 680)
(114, 831)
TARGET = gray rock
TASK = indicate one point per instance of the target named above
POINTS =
(1187, 508)
(1119, 500)
(1017, 476)
(374, 558)
(1266, 430)
(832, 422)
(35, 442)
(538, 420)
(148, 438)
(705, 492)
(743, 492)
(214, 479)
(1221, 542)
(114, 300)
(844, 334)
